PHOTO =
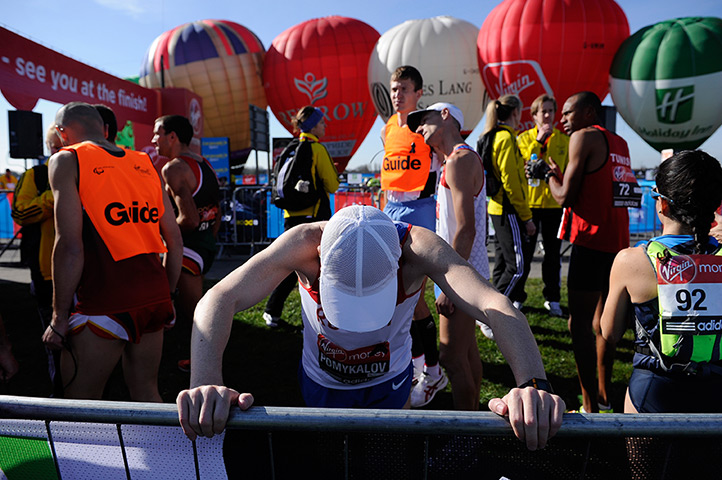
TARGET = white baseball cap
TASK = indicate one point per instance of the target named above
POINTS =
(360, 253)
(413, 120)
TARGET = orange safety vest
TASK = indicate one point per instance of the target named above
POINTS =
(123, 198)
(407, 159)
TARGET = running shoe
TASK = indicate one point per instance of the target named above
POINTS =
(554, 308)
(271, 321)
(424, 391)
(184, 365)
(486, 330)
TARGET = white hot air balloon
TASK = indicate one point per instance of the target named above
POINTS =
(443, 49)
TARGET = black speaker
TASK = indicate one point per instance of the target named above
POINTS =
(26, 134)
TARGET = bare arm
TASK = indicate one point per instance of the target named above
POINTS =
(68, 256)
(535, 415)
(173, 260)
(565, 186)
(203, 410)
(8, 365)
(180, 183)
(464, 177)
(631, 280)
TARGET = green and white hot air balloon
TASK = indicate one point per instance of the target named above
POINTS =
(665, 82)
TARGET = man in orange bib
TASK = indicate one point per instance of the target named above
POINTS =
(112, 221)
(409, 178)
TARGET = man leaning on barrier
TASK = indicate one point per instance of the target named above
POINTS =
(360, 275)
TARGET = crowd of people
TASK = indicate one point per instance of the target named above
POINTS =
(121, 250)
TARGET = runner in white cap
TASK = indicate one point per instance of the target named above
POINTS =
(360, 275)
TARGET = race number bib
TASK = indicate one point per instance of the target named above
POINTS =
(353, 366)
(689, 295)
(626, 191)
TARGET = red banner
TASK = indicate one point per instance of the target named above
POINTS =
(29, 71)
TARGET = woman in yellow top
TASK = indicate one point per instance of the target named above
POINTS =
(509, 207)
(310, 123)
(546, 142)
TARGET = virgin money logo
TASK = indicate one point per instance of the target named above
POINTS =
(619, 173)
(330, 349)
(312, 88)
(524, 78)
(678, 269)
(195, 115)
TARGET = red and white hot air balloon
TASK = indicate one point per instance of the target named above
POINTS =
(557, 47)
(323, 62)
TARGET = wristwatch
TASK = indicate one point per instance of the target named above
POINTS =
(539, 384)
(549, 175)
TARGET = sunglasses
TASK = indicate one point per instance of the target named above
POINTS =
(655, 195)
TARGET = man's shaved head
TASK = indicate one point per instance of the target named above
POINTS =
(82, 118)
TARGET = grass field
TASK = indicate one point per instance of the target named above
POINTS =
(265, 361)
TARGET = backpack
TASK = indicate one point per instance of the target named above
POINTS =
(295, 188)
(485, 147)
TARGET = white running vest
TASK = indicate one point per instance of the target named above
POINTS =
(446, 221)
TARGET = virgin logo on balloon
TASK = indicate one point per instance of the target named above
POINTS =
(312, 88)
(195, 115)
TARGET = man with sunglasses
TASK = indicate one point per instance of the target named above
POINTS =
(596, 223)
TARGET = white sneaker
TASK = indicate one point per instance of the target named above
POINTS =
(423, 392)
(271, 321)
(488, 333)
(554, 308)
(518, 305)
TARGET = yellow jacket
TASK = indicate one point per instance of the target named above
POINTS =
(31, 206)
(509, 166)
(324, 169)
(557, 148)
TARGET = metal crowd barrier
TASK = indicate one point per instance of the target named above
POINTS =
(248, 218)
(279, 442)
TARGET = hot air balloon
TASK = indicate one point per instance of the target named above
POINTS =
(323, 62)
(558, 47)
(220, 61)
(443, 49)
(665, 82)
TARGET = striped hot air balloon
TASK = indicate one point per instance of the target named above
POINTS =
(665, 82)
(221, 62)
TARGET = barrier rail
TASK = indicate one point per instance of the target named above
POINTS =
(279, 442)
(248, 218)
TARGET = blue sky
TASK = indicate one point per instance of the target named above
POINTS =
(113, 35)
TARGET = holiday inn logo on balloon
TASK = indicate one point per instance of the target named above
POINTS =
(665, 80)
(674, 105)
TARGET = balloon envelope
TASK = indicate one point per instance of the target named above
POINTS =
(443, 49)
(323, 62)
(220, 61)
(665, 82)
(557, 47)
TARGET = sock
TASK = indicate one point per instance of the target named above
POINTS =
(417, 344)
(433, 370)
(418, 363)
(427, 329)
